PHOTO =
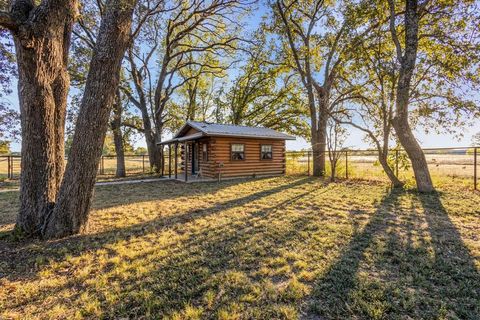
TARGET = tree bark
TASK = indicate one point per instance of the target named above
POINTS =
(154, 151)
(157, 159)
(407, 66)
(319, 137)
(70, 213)
(61, 87)
(42, 39)
(116, 126)
(382, 158)
(415, 154)
(333, 172)
(319, 150)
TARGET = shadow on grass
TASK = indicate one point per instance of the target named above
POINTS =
(455, 281)
(151, 191)
(395, 265)
(404, 263)
(20, 258)
(330, 296)
(223, 259)
(108, 196)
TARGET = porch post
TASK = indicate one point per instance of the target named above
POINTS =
(162, 153)
(176, 160)
(186, 161)
(169, 160)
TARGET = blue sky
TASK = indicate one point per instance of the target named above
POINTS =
(355, 138)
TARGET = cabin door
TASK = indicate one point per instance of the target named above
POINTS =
(195, 158)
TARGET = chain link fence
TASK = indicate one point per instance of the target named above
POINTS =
(457, 166)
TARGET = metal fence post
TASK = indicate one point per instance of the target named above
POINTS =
(346, 164)
(308, 163)
(103, 166)
(475, 169)
(143, 163)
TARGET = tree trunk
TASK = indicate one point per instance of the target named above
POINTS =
(382, 158)
(42, 41)
(154, 152)
(70, 213)
(116, 126)
(415, 153)
(400, 121)
(61, 87)
(333, 166)
(158, 159)
(318, 155)
(319, 147)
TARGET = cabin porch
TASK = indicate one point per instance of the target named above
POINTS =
(190, 179)
(186, 160)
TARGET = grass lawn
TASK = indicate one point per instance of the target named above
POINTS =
(277, 248)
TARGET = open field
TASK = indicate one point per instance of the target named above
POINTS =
(445, 169)
(277, 248)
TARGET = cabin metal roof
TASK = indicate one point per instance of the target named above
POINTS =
(226, 130)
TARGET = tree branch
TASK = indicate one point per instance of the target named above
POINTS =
(393, 31)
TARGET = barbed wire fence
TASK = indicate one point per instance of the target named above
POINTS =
(448, 166)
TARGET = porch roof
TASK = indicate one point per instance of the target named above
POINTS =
(215, 129)
(183, 139)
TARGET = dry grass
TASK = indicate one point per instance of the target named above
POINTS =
(445, 170)
(4, 167)
(277, 248)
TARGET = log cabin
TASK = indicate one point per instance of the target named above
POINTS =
(207, 151)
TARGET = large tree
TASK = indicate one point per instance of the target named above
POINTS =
(83, 43)
(407, 59)
(316, 37)
(197, 94)
(42, 36)
(53, 205)
(70, 213)
(437, 47)
(372, 109)
(192, 28)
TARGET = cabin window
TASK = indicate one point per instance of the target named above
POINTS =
(266, 152)
(238, 151)
(204, 152)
